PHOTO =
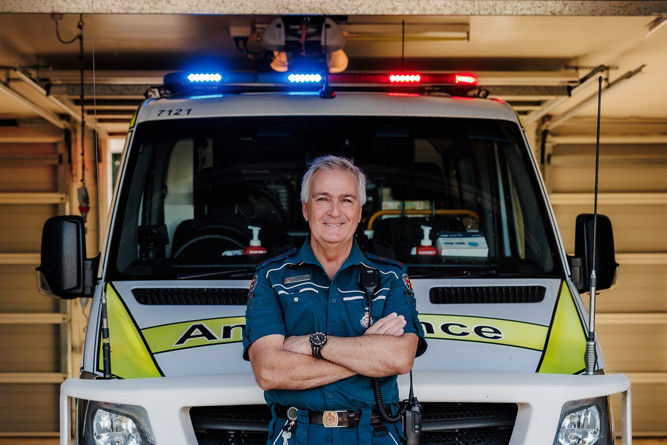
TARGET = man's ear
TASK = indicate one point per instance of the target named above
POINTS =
(304, 210)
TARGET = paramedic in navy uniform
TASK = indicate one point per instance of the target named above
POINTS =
(308, 335)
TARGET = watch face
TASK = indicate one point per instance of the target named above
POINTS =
(318, 338)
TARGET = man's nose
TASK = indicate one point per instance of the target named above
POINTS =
(334, 208)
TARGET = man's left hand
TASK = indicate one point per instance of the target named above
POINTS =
(392, 324)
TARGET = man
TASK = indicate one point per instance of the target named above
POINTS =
(312, 344)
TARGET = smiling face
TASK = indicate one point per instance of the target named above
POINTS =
(333, 210)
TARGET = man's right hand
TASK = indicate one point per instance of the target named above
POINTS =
(392, 324)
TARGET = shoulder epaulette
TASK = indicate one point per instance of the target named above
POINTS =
(374, 257)
(282, 256)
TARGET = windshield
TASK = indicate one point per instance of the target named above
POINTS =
(194, 188)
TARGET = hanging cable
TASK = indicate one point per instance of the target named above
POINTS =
(402, 45)
(96, 138)
(82, 192)
(57, 18)
(84, 200)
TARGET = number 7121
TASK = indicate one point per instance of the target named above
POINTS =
(174, 112)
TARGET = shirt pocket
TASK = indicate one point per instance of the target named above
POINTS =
(356, 306)
(300, 308)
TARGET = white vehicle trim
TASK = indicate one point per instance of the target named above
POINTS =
(540, 398)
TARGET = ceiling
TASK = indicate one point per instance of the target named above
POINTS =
(533, 61)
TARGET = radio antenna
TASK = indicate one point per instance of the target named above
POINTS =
(590, 358)
(326, 92)
(106, 345)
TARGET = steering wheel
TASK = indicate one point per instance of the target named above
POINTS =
(260, 204)
(210, 241)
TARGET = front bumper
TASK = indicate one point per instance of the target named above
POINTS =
(167, 400)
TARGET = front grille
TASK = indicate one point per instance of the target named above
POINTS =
(467, 423)
(443, 424)
(487, 294)
(238, 425)
(191, 296)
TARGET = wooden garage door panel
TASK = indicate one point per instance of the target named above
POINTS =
(18, 291)
(21, 226)
(30, 179)
(634, 348)
(31, 408)
(640, 288)
(637, 228)
(24, 150)
(571, 179)
(29, 348)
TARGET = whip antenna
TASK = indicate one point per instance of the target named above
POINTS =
(590, 357)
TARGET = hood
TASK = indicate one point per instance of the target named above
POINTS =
(195, 328)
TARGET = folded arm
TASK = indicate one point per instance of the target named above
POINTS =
(278, 368)
(384, 349)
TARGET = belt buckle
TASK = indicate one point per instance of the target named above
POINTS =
(330, 419)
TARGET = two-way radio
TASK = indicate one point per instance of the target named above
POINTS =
(410, 410)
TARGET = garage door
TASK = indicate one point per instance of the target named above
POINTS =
(632, 317)
(34, 338)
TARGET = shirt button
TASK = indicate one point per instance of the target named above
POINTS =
(331, 396)
(333, 300)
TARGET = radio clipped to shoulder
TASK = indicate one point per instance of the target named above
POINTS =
(410, 409)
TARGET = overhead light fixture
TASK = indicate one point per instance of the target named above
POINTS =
(413, 31)
(656, 24)
(305, 40)
(337, 61)
(279, 62)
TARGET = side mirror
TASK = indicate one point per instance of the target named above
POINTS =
(605, 260)
(64, 270)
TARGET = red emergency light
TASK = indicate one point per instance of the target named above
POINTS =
(405, 78)
(458, 82)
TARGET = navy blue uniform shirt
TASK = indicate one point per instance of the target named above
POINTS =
(292, 295)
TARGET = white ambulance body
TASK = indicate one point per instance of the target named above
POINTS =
(499, 302)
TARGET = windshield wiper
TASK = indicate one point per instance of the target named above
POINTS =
(243, 272)
(456, 273)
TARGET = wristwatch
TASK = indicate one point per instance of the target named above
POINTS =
(317, 341)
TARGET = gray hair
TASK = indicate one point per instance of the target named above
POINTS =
(329, 163)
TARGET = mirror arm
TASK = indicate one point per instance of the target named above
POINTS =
(577, 273)
(90, 266)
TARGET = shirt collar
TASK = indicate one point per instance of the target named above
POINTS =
(305, 255)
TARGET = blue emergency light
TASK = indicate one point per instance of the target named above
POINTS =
(305, 78)
(204, 77)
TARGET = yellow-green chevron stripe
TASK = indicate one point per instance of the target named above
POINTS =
(566, 344)
(130, 358)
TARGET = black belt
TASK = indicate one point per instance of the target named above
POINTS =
(329, 419)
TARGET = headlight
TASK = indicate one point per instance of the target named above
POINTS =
(585, 422)
(113, 424)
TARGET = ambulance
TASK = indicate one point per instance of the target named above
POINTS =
(209, 189)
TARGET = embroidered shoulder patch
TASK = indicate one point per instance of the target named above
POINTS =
(407, 282)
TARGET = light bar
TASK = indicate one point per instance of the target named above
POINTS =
(305, 78)
(204, 77)
(212, 82)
